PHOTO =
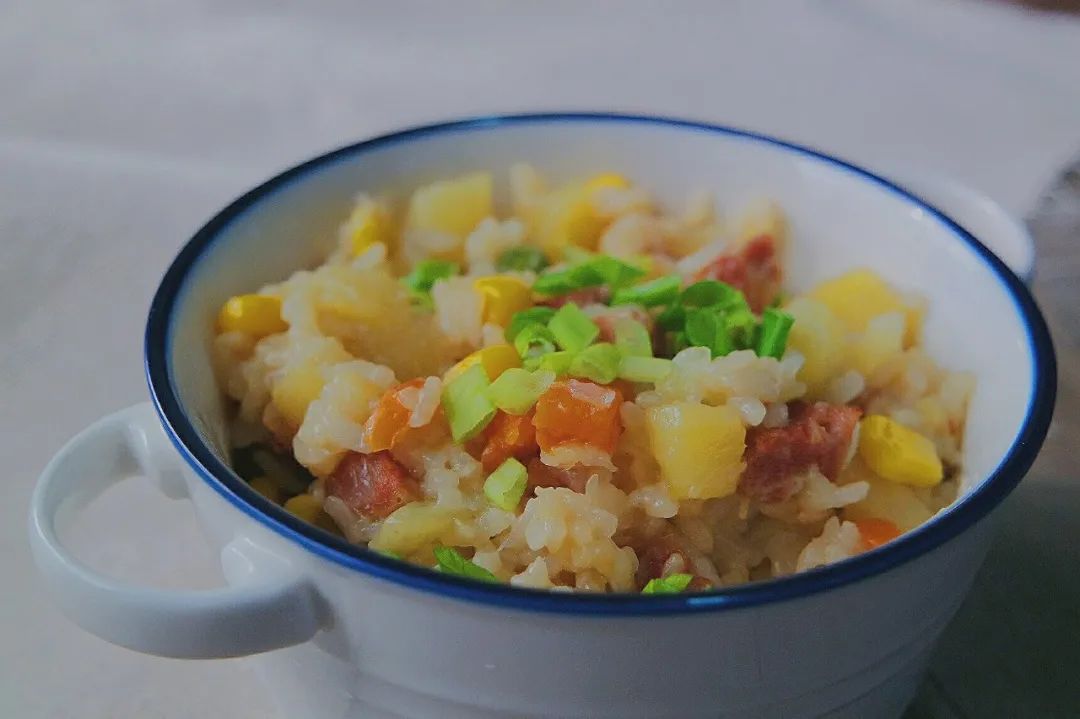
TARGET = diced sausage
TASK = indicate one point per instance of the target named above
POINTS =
(373, 485)
(818, 434)
(573, 478)
(754, 269)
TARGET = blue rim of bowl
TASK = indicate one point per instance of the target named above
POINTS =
(942, 528)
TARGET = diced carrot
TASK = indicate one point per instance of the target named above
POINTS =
(875, 532)
(390, 419)
(577, 412)
(509, 436)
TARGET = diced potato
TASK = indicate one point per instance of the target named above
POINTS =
(411, 527)
(256, 315)
(566, 216)
(822, 341)
(699, 448)
(496, 359)
(897, 453)
(882, 340)
(888, 500)
(859, 296)
(502, 295)
(453, 207)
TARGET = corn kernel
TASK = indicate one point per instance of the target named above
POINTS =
(899, 454)
(495, 360)
(267, 488)
(367, 225)
(257, 315)
(307, 508)
(502, 296)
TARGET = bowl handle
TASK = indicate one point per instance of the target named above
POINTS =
(266, 605)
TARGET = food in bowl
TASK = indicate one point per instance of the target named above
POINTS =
(588, 392)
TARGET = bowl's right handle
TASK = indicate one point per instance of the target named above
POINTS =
(267, 604)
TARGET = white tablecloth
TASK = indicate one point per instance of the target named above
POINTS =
(123, 125)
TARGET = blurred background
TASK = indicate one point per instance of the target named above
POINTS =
(124, 125)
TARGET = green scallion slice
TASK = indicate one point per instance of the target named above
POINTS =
(506, 485)
(451, 562)
(773, 333)
(661, 291)
(673, 318)
(520, 320)
(632, 338)
(556, 362)
(426, 273)
(671, 584)
(598, 362)
(534, 340)
(516, 390)
(465, 401)
(523, 258)
(707, 293)
(741, 326)
(644, 369)
(560, 282)
(572, 328)
(616, 273)
(706, 328)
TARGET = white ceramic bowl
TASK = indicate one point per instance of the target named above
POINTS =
(358, 634)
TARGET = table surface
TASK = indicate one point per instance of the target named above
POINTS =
(125, 124)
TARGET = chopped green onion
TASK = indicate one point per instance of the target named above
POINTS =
(644, 369)
(671, 584)
(615, 272)
(560, 282)
(598, 362)
(516, 390)
(707, 293)
(632, 338)
(741, 326)
(464, 399)
(557, 362)
(426, 273)
(451, 562)
(522, 258)
(505, 486)
(775, 325)
(706, 328)
(661, 291)
(672, 318)
(534, 340)
(520, 320)
(572, 328)
(677, 343)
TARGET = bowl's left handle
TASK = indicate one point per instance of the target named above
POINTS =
(266, 605)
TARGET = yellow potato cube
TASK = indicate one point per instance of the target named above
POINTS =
(882, 341)
(887, 500)
(296, 389)
(567, 216)
(858, 296)
(412, 527)
(453, 207)
(822, 341)
(502, 296)
(256, 315)
(496, 359)
(897, 453)
(699, 448)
